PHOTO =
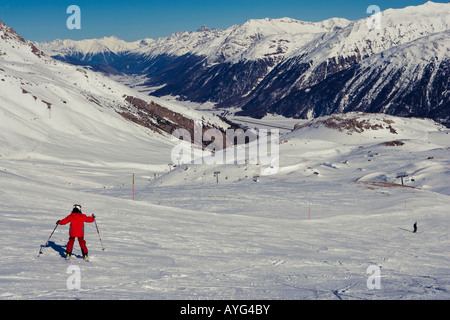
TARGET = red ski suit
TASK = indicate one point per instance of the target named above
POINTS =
(77, 221)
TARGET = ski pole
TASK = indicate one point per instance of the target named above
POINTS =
(98, 232)
(42, 247)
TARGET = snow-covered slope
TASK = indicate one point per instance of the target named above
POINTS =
(311, 230)
(346, 143)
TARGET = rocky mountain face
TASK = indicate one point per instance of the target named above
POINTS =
(407, 80)
(295, 68)
(401, 69)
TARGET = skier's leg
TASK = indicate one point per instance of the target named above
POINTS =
(82, 242)
(69, 246)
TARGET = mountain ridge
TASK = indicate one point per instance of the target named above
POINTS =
(262, 64)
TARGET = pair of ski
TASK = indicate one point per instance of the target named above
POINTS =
(85, 258)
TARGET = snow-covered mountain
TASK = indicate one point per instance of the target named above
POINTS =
(40, 97)
(406, 80)
(233, 44)
(367, 70)
(93, 51)
(269, 65)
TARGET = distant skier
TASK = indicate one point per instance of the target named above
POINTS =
(77, 220)
(415, 227)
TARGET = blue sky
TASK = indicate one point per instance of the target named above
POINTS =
(131, 20)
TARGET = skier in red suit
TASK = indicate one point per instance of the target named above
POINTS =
(77, 220)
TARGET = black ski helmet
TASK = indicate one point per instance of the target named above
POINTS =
(76, 208)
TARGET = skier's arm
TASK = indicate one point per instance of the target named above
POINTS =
(89, 219)
(64, 221)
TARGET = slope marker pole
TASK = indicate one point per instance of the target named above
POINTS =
(309, 210)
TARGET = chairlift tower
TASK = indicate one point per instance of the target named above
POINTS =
(216, 174)
(402, 175)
